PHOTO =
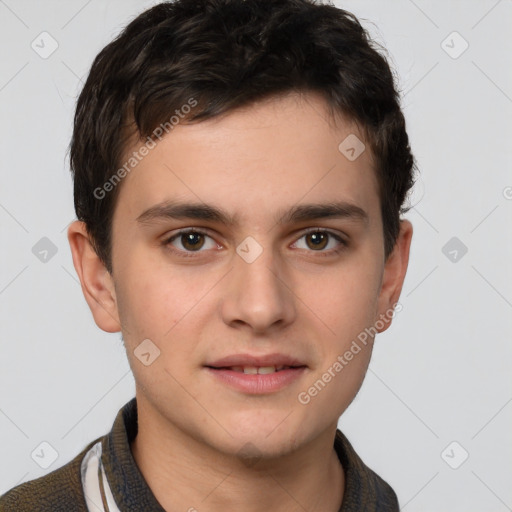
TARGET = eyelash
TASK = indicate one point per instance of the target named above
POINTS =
(194, 254)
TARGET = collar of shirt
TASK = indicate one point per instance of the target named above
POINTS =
(120, 478)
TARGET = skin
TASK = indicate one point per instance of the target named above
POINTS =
(254, 162)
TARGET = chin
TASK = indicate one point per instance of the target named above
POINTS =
(252, 449)
(267, 433)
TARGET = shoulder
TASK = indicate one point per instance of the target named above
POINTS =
(364, 489)
(60, 490)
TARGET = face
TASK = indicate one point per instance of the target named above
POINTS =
(256, 276)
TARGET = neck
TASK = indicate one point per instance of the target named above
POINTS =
(186, 474)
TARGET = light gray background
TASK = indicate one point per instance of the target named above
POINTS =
(442, 371)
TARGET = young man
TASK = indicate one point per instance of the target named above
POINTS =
(240, 168)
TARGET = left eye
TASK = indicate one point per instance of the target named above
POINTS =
(320, 239)
(194, 240)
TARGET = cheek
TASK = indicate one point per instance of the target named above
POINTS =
(166, 307)
(353, 311)
(347, 301)
(151, 297)
(142, 304)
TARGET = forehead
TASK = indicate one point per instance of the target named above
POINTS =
(254, 162)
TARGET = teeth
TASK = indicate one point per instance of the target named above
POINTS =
(265, 369)
(253, 370)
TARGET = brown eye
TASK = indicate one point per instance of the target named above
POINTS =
(188, 242)
(192, 241)
(318, 239)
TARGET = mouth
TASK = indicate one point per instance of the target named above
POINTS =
(256, 370)
(268, 362)
(256, 374)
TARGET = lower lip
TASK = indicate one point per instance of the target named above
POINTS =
(258, 384)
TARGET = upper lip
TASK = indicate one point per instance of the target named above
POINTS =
(259, 361)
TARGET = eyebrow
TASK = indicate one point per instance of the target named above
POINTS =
(300, 213)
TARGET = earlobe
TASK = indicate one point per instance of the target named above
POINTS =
(395, 269)
(97, 284)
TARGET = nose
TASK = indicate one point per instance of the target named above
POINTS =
(259, 294)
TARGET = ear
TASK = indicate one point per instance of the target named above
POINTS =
(97, 283)
(395, 268)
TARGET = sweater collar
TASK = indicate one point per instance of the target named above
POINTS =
(364, 490)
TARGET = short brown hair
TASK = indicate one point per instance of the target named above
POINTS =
(228, 54)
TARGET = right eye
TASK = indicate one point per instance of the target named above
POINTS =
(192, 240)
